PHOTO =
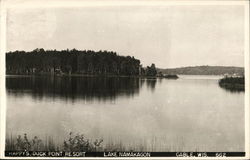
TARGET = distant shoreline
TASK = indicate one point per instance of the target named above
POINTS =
(89, 75)
(204, 70)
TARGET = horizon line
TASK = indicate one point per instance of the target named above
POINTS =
(68, 49)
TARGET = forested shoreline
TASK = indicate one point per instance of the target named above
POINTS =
(204, 70)
(68, 62)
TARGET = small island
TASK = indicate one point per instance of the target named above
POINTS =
(233, 83)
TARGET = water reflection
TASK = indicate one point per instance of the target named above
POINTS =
(151, 82)
(101, 88)
(158, 117)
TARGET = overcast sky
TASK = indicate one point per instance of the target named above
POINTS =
(169, 36)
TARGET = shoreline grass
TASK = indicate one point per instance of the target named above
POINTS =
(79, 142)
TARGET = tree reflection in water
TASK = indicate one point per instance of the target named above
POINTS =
(72, 88)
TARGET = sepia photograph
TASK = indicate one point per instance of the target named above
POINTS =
(125, 79)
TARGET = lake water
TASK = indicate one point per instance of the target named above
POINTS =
(191, 113)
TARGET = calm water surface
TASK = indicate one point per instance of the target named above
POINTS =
(191, 113)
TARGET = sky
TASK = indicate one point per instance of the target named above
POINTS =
(169, 36)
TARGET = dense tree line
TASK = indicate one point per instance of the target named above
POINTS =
(74, 61)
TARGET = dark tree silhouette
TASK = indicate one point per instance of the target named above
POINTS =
(67, 61)
(151, 71)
